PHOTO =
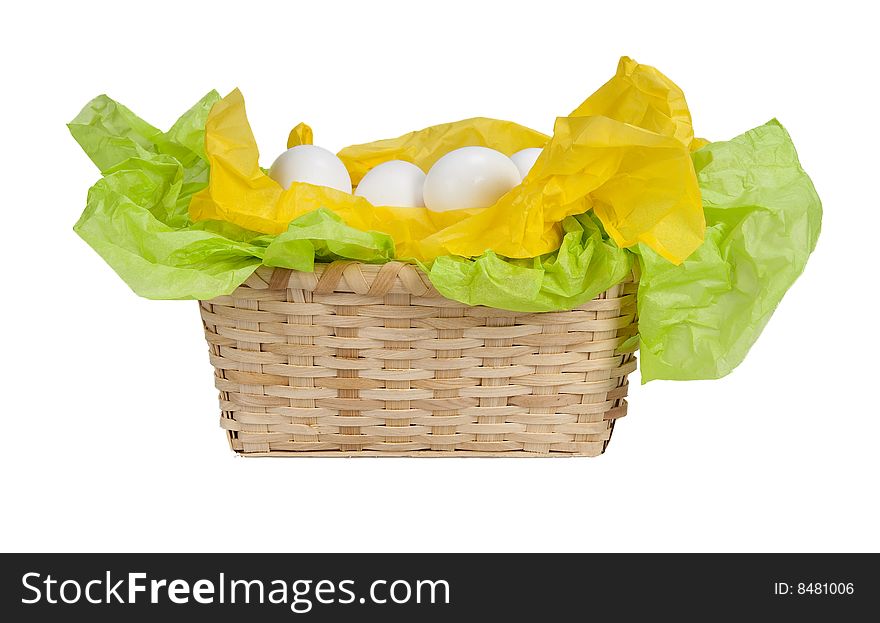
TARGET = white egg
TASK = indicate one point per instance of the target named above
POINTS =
(394, 183)
(469, 177)
(525, 159)
(310, 164)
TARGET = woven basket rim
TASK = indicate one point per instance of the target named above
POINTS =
(347, 276)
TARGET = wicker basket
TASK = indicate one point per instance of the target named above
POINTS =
(367, 360)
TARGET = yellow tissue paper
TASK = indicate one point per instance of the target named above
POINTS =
(624, 152)
(300, 135)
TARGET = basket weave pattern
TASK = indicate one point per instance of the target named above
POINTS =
(367, 360)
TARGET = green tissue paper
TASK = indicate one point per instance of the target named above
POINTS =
(699, 319)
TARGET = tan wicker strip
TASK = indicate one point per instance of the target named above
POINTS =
(370, 360)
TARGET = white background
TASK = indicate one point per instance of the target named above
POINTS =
(109, 436)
